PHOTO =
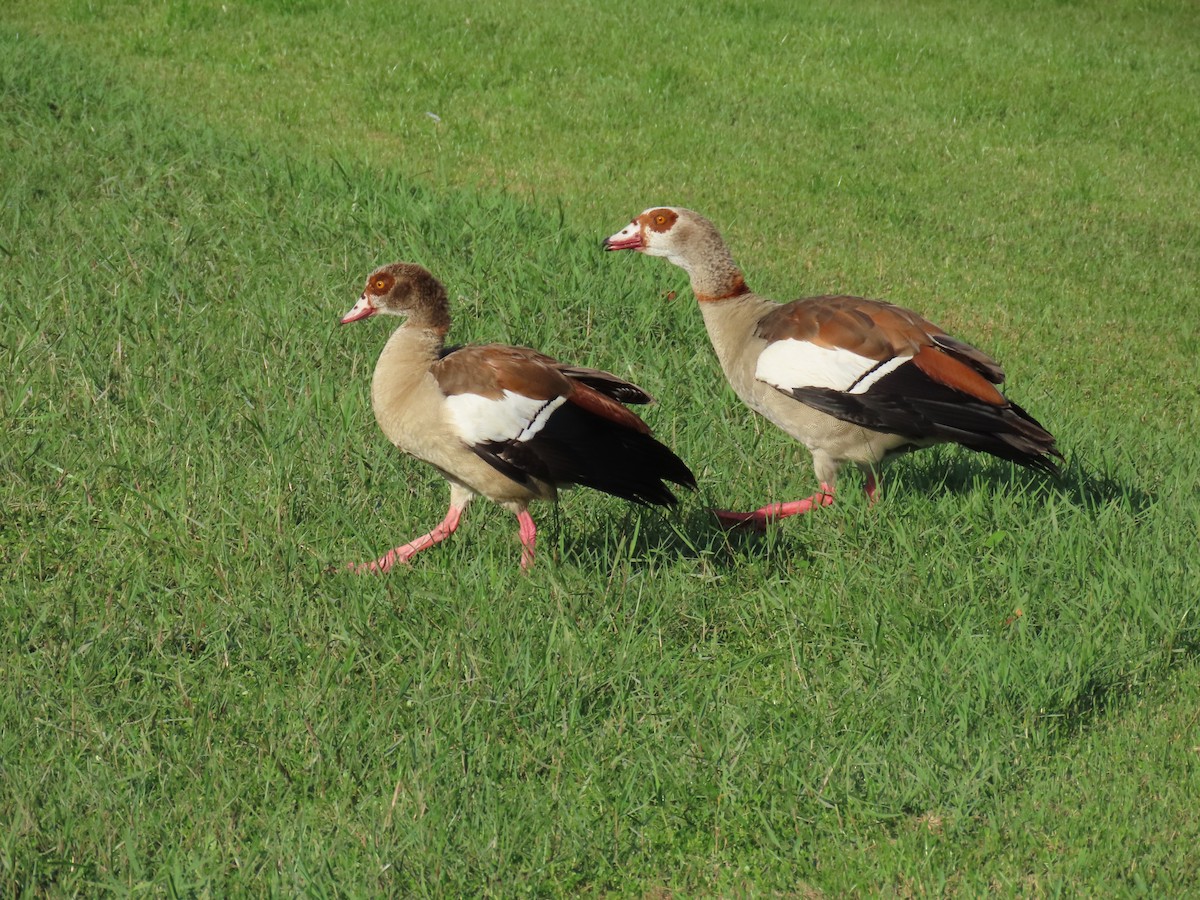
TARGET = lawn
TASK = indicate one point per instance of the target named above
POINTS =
(985, 682)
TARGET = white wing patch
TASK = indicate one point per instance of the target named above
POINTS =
(513, 417)
(790, 364)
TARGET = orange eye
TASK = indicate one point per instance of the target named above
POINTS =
(660, 219)
(380, 284)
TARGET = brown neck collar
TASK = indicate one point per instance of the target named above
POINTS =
(736, 289)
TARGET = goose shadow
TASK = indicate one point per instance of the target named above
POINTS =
(944, 471)
(691, 531)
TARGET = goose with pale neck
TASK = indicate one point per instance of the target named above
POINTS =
(855, 380)
(507, 423)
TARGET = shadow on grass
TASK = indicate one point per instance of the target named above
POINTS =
(954, 471)
(691, 531)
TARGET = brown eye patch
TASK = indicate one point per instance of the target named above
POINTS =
(660, 219)
(380, 284)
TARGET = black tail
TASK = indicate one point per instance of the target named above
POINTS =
(936, 412)
(579, 447)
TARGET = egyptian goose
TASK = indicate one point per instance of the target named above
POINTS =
(506, 422)
(852, 379)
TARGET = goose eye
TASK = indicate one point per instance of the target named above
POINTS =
(660, 219)
(380, 284)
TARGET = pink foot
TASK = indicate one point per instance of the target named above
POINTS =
(772, 512)
(405, 552)
(528, 533)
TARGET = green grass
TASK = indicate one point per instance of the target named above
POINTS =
(197, 703)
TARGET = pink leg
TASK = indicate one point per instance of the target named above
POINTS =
(760, 518)
(405, 552)
(870, 486)
(528, 532)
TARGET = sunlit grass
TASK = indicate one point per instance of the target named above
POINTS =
(947, 691)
